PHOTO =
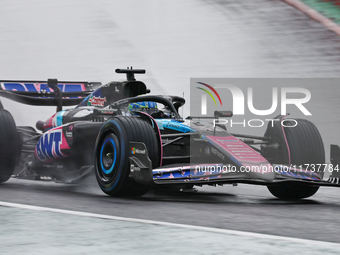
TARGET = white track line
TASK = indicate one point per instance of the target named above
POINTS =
(160, 223)
(314, 15)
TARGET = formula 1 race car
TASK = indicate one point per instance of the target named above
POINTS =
(122, 134)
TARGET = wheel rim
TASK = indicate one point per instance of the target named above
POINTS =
(108, 158)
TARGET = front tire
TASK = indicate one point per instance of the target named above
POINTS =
(306, 147)
(112, 153)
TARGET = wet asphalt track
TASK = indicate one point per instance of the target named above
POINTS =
(246, 208)
(248, 38)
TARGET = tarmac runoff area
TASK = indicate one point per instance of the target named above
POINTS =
(70, 232)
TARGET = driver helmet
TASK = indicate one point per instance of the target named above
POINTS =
(148, 107)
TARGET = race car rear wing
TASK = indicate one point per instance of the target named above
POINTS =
(50, 93)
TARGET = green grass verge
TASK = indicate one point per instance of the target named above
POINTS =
(328, 9)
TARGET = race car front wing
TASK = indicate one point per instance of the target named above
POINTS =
(219, 174)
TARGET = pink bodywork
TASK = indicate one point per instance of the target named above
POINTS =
(244, 154)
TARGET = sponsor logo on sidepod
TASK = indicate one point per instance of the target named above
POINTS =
(49, 146)
(96, 101)
(137, 151)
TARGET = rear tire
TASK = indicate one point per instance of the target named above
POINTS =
(9, 144)
(112, 153)
(306, 147)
